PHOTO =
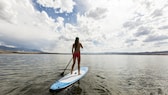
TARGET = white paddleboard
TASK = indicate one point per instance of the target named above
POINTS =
(68, 79)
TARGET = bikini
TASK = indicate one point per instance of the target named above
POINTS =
(76, 54)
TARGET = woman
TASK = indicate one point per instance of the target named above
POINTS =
(76, 54)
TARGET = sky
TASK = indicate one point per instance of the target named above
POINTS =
(101, 25)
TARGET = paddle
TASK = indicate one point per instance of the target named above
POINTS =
(62, 74)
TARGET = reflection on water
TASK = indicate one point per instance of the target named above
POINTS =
(108, 74)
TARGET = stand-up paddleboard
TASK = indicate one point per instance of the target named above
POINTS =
(68, 79)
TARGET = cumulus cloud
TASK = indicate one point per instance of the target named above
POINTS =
(7, 13)
(98, 13)
(29, 28)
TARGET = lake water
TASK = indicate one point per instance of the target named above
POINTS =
(33, 74)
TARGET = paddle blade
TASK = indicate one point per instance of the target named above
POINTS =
(62, 74)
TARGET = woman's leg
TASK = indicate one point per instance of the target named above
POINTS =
(79, 65)
(74, 59)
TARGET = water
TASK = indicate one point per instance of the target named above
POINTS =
(33, 74)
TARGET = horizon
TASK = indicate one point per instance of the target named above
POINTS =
(102, 26)
(29, 51)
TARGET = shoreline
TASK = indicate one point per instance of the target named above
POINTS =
(106, 53)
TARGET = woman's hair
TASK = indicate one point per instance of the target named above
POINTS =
(76, 42)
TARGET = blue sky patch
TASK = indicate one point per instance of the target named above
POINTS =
(54, 13)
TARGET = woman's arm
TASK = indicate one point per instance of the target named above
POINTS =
(81, 45)
(72, 48)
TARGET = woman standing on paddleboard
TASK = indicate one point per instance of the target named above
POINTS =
(76, 54)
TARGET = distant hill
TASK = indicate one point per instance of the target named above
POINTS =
(5, 49)
(140, 53)
(130, 53)
(12, 49)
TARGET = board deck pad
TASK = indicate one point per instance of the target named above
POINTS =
(69, 79)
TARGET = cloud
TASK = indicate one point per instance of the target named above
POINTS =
(130, 40)
(163, 27)
(160, 44)
(98, 13)
(132, 24)
(157, 12)
(154, 38)
(6, 11)
(82, 6)
(142, 31)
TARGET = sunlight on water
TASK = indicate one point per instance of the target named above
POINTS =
(28, 74)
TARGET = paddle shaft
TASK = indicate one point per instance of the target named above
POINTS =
(67, 65)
